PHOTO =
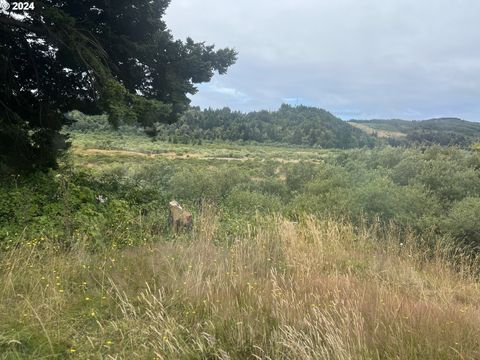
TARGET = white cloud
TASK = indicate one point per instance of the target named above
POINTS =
(229, 93)
(395, 58)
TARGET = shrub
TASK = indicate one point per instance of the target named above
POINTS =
(463, 221)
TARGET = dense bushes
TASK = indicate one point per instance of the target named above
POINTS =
(463, 223)
(65, 207)
(433, 189)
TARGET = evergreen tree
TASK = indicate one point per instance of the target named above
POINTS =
(95, 56)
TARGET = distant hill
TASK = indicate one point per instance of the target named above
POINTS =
(442, 131)
(301, 125)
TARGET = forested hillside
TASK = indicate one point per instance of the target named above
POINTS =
(307, 126)
(441, 131)
(302, 125)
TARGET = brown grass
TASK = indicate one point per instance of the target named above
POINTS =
(115, 153)
(312, 290)
(380, 133)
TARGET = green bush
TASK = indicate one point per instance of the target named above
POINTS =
(203, 184)
(432, 188)
(297, 175)
(463, 222)
(249, 202)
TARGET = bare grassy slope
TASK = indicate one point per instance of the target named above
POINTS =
(313, 290)
(382, 133)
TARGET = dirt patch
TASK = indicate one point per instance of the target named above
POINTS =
(109, 152)
(104, 152)
(174, 155)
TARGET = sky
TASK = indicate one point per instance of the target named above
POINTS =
(359, 59)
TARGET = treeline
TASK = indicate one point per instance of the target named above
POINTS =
(304, 126)
(441, 131)
(300, 126)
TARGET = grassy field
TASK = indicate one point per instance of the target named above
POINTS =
(307, 290)
(269, 271)
(89, 144)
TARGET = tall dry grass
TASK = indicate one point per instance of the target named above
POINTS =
(312, 290)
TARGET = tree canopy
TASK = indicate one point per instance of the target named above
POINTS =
(97, 56)
(301, 125)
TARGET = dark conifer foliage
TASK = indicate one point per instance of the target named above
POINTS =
(95, 56)
(300, 125)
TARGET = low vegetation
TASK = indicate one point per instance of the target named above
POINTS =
(426, 190)
(312, 289)
(295, 253)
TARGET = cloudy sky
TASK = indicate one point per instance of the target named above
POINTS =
(411, 59)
